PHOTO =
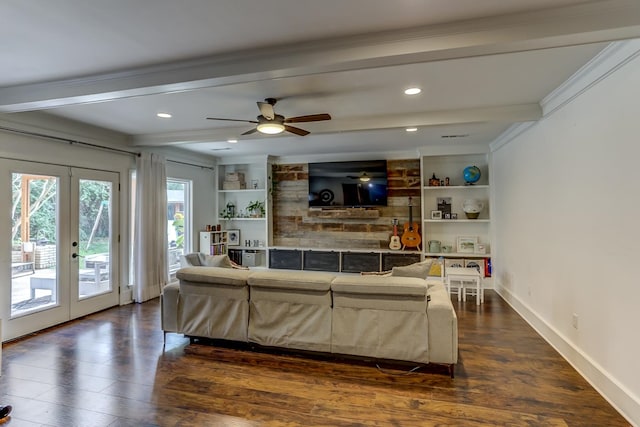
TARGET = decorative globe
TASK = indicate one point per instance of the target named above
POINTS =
(471, 174)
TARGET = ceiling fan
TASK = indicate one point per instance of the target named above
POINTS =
(271, 123)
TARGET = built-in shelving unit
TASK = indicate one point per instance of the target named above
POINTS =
(447, 231)
(239, 184)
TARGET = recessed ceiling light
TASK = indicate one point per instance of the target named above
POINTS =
(232, 141)
(164, 115)
(411, 129)
(412, 91)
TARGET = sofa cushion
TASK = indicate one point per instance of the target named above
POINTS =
(419, 270)
(380, 285)
(299, 280)
(217, 261)
(193, 259)
(214, 275)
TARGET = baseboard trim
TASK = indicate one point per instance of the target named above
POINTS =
(615, 393)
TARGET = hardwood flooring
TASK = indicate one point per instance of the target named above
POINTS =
(110, 369)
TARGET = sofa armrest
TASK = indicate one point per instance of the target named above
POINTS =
(443, 326)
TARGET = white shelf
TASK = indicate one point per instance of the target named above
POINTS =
(244, 190)
(458, 220)
(455, 187)
(457, 255)
(242, 219)
(244, 248)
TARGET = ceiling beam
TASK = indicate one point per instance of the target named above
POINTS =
(500, 114)
(591, 22)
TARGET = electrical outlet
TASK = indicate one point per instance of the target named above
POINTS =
(574, 321)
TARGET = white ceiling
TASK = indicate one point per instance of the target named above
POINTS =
(482, 67)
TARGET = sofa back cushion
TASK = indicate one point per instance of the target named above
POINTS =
(380, 285)
(216, 261)
(296, 280)
(213, 276)
(191, 260)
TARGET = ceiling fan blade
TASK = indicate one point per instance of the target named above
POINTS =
(309, 118)
(232, 120)
(266, 110)
(250, 131)
(297, 131)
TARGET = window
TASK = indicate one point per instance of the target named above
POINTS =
(178, 222)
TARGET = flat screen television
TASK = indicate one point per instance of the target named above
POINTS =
(348, 184)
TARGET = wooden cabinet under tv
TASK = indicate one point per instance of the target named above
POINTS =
(340, 260)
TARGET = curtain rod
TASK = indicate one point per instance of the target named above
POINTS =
(191, 164)
(88, 144)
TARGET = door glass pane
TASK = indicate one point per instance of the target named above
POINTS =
(34, 237)
(94, 245)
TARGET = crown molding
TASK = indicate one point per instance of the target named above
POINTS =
(509, 135)
(613, 57)
(605, 63)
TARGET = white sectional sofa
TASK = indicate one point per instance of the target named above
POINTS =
(384, 317)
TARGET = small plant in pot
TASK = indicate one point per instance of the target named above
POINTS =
(256, 209)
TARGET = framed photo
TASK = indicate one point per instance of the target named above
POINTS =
(447, 215)
(444, 205)
(436, 214)
(454, 215)
(233, 237)
(467, 244)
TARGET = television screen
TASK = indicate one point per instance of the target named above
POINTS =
(348, 184)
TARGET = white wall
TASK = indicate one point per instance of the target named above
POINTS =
(566, 204)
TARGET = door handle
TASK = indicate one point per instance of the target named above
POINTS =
(75, 255)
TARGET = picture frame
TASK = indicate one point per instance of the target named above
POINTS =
(454, 215)
(436, 214)
(233, 237)
(447, 215)
(466, 244)
(444, 205)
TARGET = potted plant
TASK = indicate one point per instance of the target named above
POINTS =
(229, 212)
(256, 209)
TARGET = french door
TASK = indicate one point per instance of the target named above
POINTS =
(63, 242)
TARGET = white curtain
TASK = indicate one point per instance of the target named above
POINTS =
(150, 236)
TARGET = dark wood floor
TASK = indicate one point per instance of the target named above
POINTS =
(109, 369)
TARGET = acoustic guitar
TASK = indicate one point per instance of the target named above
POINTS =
(411, 237)
(394, 243)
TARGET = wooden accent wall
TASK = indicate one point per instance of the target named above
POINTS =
(294, 225)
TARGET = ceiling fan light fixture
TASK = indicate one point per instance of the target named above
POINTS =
(364, 177)
(270, 128)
